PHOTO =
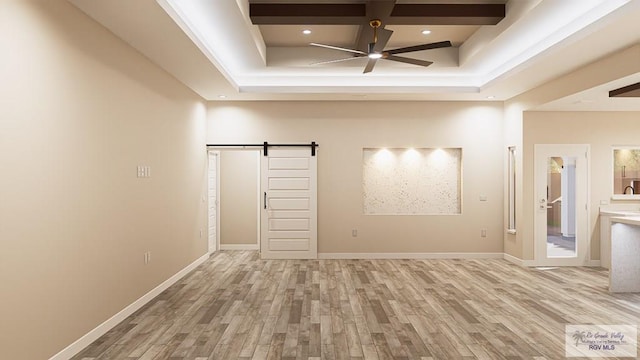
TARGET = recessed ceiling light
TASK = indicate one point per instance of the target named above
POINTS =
(306, 31)
(426, 32)
(222, 96)
(490, 97)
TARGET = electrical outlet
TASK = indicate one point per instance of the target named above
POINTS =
(483, 233)
(354, 233)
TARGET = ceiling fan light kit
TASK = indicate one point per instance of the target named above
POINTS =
(376, 51)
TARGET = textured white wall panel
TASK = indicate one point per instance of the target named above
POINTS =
(412, 181)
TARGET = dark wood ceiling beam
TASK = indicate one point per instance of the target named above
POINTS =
(447, 14)
(632, 90)
(360, 13)
(307, 14)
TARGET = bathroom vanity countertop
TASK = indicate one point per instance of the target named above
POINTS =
(629, 220)
(620, 212)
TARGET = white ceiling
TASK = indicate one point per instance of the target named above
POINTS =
(597, 98)
(212, 47)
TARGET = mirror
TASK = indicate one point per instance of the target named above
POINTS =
(626, 172)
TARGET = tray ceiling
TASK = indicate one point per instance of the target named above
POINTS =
(216, 49)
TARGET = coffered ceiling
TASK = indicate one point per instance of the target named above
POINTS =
(256, 49)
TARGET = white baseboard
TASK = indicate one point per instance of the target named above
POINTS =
(239, 247)
(101, 329)
(518, 261)
(354, 256)
(532, 263)
(513, 259)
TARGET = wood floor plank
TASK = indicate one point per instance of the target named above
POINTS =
(261, 352)
(236, 306)
(251, 342)
(290, 346)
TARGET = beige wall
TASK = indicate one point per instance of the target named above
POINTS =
(239, 197)
(79, 110)
(613, 67)
(601, 130)
(343, 129)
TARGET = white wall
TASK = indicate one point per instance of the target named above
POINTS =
(343, 129)
(79, 110)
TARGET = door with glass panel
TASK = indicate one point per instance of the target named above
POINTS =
(561, 205)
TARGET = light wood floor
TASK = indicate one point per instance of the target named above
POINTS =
(236, 306)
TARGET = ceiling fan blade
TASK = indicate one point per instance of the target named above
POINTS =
(370, 65)
(436, 45)
(339, 48)
(383, 38)
(337, 60)
(407, 60)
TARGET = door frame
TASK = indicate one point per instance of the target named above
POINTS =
(210, 154)
(583, 182)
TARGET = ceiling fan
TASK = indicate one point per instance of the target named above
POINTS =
(376, 49)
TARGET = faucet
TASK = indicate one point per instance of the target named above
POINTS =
(629, 187)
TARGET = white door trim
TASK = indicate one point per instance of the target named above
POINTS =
(258, 201)
(541, 154)
(215, 153)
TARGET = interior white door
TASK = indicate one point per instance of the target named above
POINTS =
(561, 230)
(213, 194)
(289, 208)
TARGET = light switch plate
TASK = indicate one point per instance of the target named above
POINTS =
(144, 171)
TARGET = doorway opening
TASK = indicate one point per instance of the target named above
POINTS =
(234, 202)
(266, 201)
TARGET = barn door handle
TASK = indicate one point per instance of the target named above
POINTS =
(265, 200)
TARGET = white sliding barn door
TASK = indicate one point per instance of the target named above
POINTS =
(289, 205)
